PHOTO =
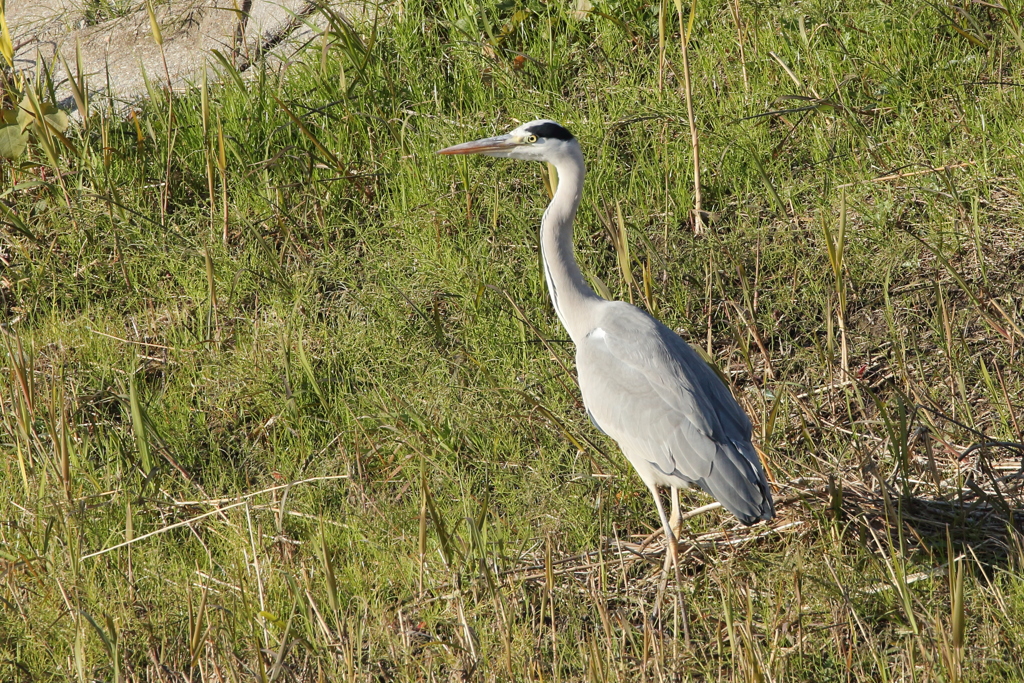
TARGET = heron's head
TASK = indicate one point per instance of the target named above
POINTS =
(541, 140)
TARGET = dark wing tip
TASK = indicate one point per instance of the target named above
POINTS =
(750, 520)
(737, 480)
(550, 129)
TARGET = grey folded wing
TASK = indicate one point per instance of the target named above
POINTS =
(647, 389)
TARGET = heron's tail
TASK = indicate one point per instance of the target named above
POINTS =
(737, 480)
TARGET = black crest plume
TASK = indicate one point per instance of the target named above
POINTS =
(550, 129)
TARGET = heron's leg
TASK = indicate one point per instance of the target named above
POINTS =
(672, 551)
(671, 560)
(661, 511)
(674, 521)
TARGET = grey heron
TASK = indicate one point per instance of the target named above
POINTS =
(642, 384)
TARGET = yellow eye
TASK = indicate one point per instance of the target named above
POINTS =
(530, 139)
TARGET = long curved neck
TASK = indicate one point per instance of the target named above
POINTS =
(571, 296)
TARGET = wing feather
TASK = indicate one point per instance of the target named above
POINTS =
(660, 401)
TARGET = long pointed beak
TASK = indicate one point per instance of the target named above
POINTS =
(495, 144)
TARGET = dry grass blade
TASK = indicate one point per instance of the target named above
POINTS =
(163, 530)
(154, 25)
(622, 251)
(6, 43)
(684, 41)
(836, 247)
(220, 508)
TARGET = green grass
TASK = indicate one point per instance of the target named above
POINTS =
(346, 431)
